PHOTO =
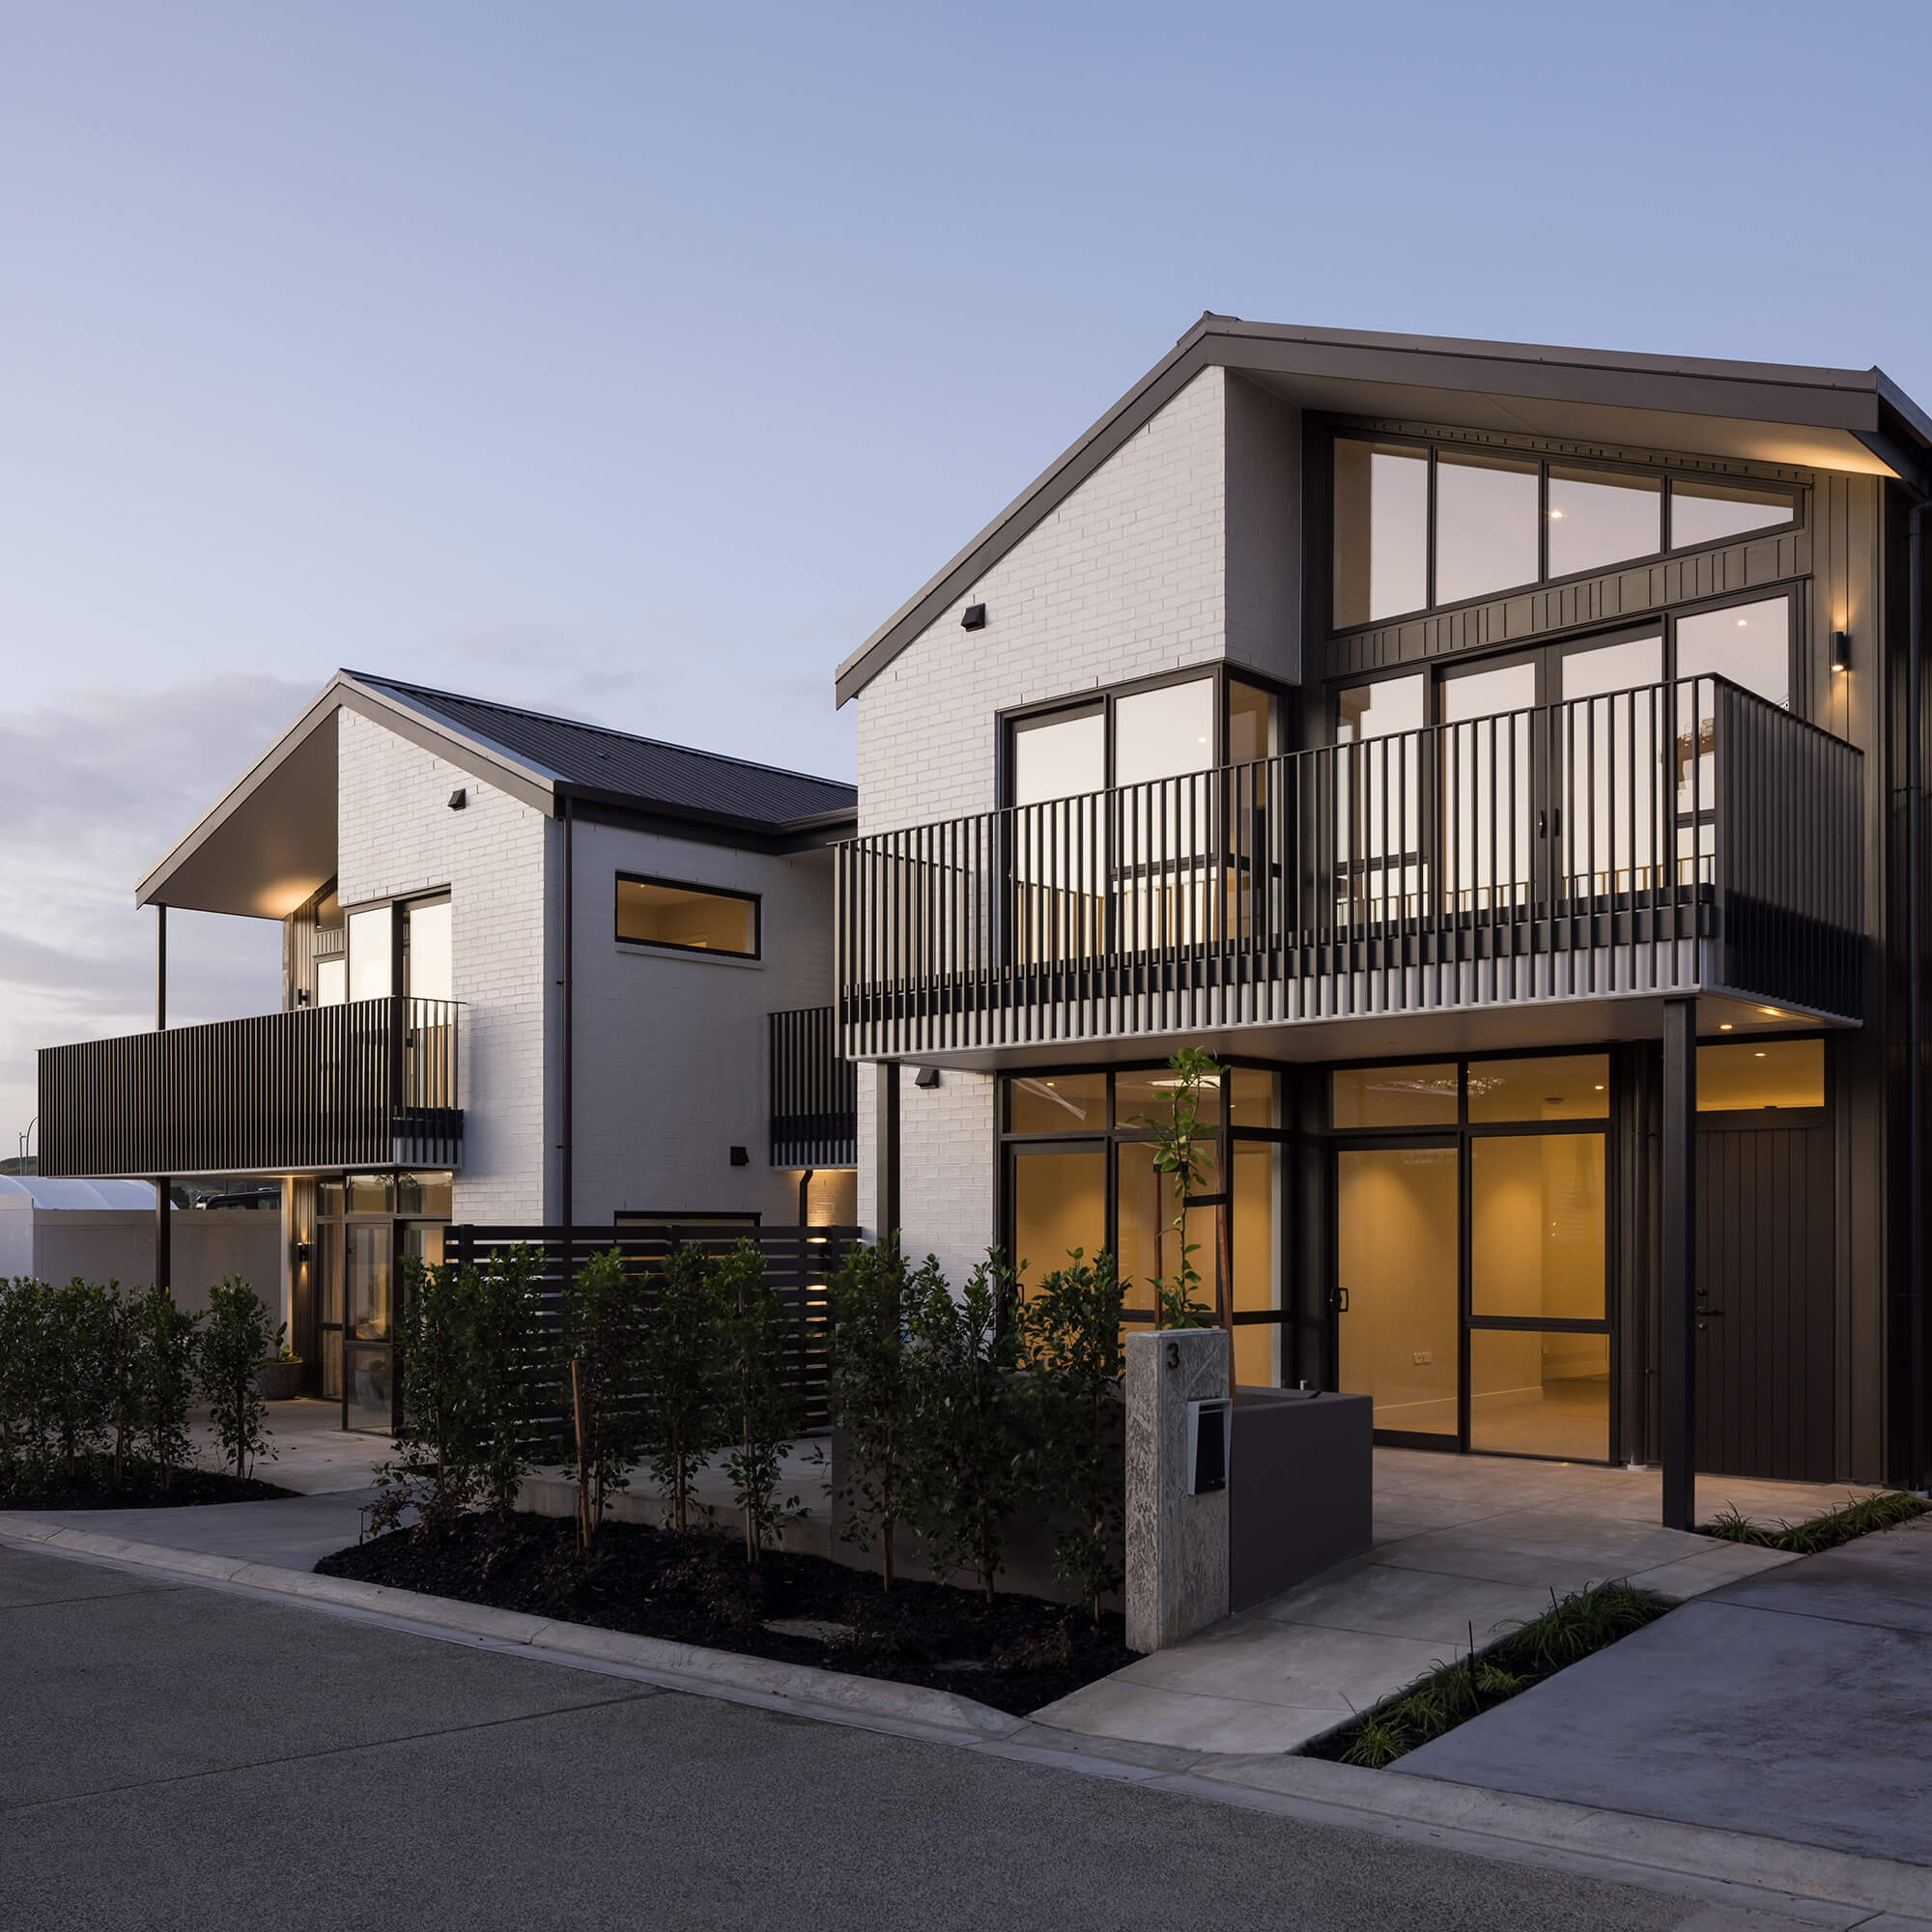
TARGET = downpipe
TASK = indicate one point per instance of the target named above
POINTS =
(1914, 1025)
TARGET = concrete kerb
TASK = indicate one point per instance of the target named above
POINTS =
(1816, 1886)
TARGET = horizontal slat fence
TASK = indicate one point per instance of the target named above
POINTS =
(798, 1264)
(371, 1083)
(1661, 839)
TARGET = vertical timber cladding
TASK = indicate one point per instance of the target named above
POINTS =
(1766, 1239)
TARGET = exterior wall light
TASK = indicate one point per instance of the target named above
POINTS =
(458, 799)
(926, 1076)
(1841, 650)
(739, 1158)
(975, 619)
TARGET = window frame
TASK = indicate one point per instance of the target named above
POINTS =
(1546, 650)
(1110, 1136)
(1663, 473)
(756, 901)
(1221, 671)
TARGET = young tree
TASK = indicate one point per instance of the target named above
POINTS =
(237, 1339)
(760, 1408)
(1183, 1149)
(74, 1352)
(435, 1471)
(680, 1423)
(970, 1463)
(603, 1335)
(505, 1352)
(167, 1349)
(1072, 1325)
(118, 1367)
(869, 1299)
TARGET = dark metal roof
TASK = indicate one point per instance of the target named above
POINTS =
(618, 768)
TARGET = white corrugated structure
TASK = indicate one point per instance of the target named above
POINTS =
(104, 1231)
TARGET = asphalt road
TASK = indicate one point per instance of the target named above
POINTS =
(174, 1756)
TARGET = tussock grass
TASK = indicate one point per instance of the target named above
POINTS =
(1572, 1628)
(1856, 1515)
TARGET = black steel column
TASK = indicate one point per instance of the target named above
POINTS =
(163, 1204)
(886, 1150)
(567, 1100)
(1679, 1283)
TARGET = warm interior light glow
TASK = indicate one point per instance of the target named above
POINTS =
(1725, 1025)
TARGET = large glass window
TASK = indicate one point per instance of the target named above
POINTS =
(1485, 525)
(1755, 1074)
(1749, 643)
(1165, 732)
(1079, 1173)
(1539, 1392)
(1418, 526)
(1703, 512)
(1381, 530)
(372, 953)
(1395, 1097)
(1059, 756)
(694, 919)
(1536, 1227)
(1565, 1087)
(429, 966)
(1601, 517)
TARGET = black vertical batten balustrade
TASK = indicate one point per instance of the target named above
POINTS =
(1687, 835)
(371, 1084)
(814, 1093)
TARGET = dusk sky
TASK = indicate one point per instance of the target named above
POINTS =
(635, 363)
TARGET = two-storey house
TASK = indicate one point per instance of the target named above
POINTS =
(1508, 761)
(535, 973)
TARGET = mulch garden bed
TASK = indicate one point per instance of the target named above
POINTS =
(1016, 1654)
(93, 1491)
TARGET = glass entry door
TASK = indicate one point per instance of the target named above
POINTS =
(1396, 1299)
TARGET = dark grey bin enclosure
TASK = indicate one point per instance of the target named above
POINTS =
(1300, 1488)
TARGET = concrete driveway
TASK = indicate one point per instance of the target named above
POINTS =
(182, 1757)
(1797, 1704)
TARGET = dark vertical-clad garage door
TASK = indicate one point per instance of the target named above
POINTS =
(1764, 1275)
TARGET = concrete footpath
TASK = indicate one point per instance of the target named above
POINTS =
(1798, 1702)
(1734, 1870)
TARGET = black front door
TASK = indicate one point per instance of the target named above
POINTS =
(1765, 1351)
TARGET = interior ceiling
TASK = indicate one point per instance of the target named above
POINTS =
(270, 843)
(1805, 446)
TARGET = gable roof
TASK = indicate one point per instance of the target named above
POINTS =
(592, 761)
(1855, 419)
(268, 842)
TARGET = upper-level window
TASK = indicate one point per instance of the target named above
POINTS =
(1420, 527)
(692, 918)
(1132, 737)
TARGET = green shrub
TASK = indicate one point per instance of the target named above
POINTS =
(1071, 1327)
(871, 1391)
(680, 1369)
(166, 1360)
(239, 1337)
(760, 1408)
(602, 1338)
(969, 1464)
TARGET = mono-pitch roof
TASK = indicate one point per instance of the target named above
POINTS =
(1855, 419)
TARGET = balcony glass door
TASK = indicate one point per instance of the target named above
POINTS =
(1611, 740)
(1489, 786)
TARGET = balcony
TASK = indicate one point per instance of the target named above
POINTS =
(814, 1093)
(1676, 839)
(371, 1084)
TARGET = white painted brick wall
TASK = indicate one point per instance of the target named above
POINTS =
(945, 1166)
(397, 836)
(1126, 579)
